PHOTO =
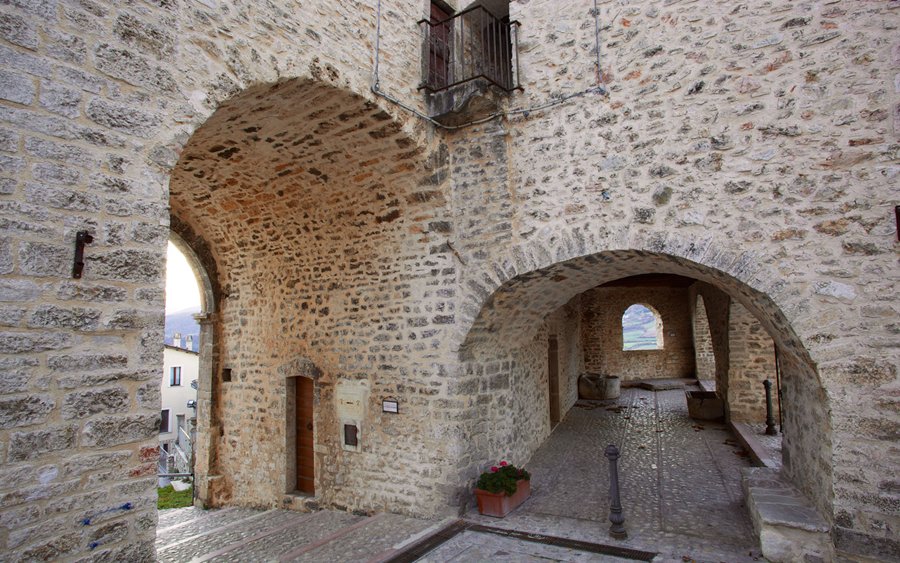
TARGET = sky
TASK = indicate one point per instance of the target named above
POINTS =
(182, 290)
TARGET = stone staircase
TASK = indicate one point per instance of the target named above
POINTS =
(245, 535)
(788, 527)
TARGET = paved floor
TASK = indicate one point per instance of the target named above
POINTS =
(680, 480)
(680, 492)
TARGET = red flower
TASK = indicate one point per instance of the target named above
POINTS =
(494, 469)
(503, 464)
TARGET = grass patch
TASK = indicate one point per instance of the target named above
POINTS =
(170, 498)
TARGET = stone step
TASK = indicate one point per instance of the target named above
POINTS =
(236, 532)
(271, 545)
(200, 522)
(788, 526)
(371, 540)
(174, 515)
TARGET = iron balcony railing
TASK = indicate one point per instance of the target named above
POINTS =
(467, 46)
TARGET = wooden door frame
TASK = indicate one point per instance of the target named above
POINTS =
(553, 379)
(290, 473)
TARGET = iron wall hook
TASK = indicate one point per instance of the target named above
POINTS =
(81, 239)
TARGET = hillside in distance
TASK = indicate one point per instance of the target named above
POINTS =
(183, 322)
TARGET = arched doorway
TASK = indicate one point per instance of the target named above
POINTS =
(314, 210)
(507, 332)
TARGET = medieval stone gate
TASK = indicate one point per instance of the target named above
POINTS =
(347, 240)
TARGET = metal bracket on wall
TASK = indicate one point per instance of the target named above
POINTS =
(81, 239)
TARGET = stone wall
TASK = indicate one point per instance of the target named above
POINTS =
(602, 333)
(750, 147)
(704, 355)
(730, 138)
(99, 101)
(751, 356)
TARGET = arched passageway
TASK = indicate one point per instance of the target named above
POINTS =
(313, 214)
(511, 329)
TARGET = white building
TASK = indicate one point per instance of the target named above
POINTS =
(177, 392)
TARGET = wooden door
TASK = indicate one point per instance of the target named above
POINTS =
(306, 469)
(439, 50)
(553, 377)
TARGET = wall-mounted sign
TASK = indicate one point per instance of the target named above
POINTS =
(390, 405)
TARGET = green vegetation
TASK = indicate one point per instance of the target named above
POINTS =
(170, 498)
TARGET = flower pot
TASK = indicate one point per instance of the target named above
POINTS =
(499, 505)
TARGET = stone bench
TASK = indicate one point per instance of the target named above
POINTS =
(788, 527)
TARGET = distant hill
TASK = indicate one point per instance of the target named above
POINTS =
(183, 323)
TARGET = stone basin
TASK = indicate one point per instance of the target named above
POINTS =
(705, 405)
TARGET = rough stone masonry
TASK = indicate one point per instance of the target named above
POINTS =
(752, 147)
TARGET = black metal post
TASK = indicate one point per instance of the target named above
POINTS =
(617, 530)
(770, 418)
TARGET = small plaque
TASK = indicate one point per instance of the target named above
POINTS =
(390, 405)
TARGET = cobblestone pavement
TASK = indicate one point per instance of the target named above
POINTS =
(680, 485)
(680, 480)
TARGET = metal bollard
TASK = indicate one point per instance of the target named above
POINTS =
(770, 418)
(617, 530)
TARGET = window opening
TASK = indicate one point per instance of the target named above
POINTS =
(475, 43)
(641, 328)
(164, 421)
(175, 376)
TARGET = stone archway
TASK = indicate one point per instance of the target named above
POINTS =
(313, 206)
(509, 303)
(704, 354)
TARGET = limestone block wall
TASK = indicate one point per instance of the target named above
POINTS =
(717, 306)
(509, 394)
(732, 137)
(704, 355)
(98, 102)
(566, 324)
(751, 356)
(602, 333)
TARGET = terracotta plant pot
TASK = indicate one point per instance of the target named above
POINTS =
(499, 505)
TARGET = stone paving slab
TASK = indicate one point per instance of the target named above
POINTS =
(368, 541)
(473, 546)
(172, 516)
(681, 493)
(680, 480)
(239, 531)
(208, 521)
(270, 548)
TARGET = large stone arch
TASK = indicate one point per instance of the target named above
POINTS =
(505, 304)
(314, 206)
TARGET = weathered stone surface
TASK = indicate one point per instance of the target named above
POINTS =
(148, 395)
(67, 47)
(754, 149)
(22, 342)
(87, 403)
(50, 316)
(24, 410)
(122, 118)
(44, 260)
(30, 445)
(17, 88)
(144, 36)
(126, 265)
(18, 31)
(133, 68)
(114, 430)
(15, 373)
(61, 99)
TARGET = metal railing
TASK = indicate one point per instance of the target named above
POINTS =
(467, 46)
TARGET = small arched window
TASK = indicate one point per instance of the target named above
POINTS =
(642, 328)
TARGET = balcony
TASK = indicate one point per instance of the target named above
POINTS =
(472, 54)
